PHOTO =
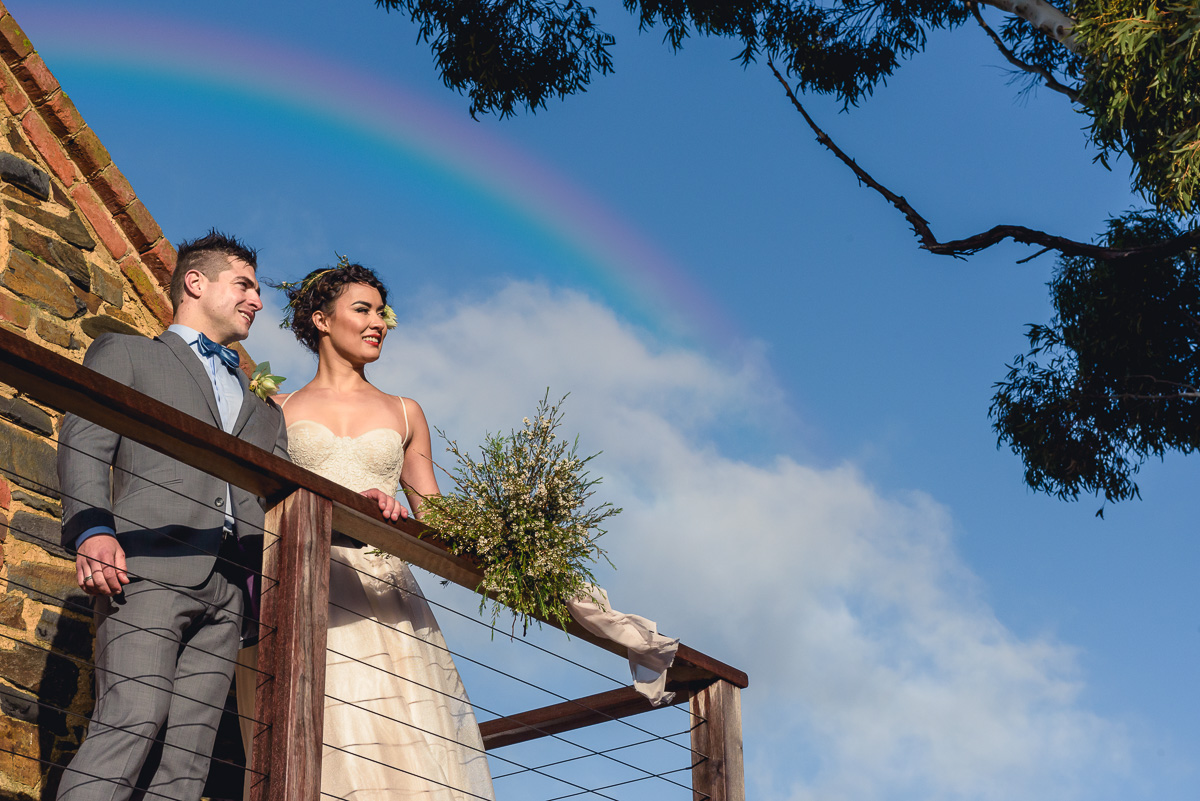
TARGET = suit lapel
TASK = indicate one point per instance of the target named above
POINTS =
(249, 400)
(191, 363)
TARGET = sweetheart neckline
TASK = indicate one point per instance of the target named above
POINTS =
(339, 436)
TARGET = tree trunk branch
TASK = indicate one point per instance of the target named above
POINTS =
(960, 248)
(1047, 76)
(1043, 16)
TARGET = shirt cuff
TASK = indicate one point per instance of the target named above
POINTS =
(91, 532)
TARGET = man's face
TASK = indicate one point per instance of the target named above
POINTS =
(228, 303)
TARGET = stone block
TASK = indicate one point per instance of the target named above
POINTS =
(61, 115)
(54, 679)
(36, 79)
(90, 302)
(11, 91)
(70, 227)
(21, 173)
(24, 706)
(14, 40)
(53, 333)
(19, 704)
(9, 190)
(34, 501)
(59, 196)
(28, 460)
(41, 285)
(100, 218)
(6, 495)
(12, 611)
(25, 414)
(48, 583)
(113, 188)
(44, 532)
(21, 740)
(89, 153)
(51, 150)
(108, 287)
(139, 226)
(56, 254)
(103, 324)
(18, 143)
(67, 634)
(15, 311)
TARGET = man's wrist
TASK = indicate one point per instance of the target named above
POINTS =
(93, 531)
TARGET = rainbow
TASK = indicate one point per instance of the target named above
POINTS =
(619, 262)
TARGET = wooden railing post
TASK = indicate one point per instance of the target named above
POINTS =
(717, 740)
(289, 700)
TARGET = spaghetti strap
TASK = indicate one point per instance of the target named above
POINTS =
(405, 408)
(283, 402)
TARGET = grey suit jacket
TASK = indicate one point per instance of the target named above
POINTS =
(167, 516)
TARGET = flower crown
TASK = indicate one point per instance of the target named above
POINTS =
(298, 289)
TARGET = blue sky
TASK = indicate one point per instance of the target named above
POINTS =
(791, 397)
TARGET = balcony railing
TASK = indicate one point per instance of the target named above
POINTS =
(304, 511)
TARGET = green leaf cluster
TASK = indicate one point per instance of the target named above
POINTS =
(1114, 378)
(509, 54)
(521, 511)
(1142, 88)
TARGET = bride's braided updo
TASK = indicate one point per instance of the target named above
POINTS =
(318, 291)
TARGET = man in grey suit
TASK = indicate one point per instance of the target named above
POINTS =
(165, 548)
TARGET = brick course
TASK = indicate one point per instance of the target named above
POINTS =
(35, 78)
(89, 154)
(49, 148)
(61, 115)
(102, 222)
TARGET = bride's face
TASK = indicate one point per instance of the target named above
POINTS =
(355, 325)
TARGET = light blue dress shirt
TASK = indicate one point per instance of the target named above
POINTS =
(228, 391)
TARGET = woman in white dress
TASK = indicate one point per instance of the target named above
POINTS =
(397, 721)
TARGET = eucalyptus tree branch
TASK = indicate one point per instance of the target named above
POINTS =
(1043, 16)
(1172, 396)
(960, 248)
(1047, 76)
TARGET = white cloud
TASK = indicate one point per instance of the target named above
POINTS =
(877, 671)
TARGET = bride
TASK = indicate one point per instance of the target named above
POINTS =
(398, 724)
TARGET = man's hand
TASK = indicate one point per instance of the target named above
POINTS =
(389, 507)
(100, 565)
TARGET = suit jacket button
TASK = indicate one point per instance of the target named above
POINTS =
(220, 502)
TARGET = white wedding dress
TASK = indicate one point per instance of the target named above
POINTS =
(398, 724)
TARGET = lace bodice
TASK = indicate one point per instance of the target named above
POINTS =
(371, 460)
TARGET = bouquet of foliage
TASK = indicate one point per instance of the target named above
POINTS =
(520, 511)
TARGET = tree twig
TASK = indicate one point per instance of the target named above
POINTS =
(960, 248)
(1047, 76)
(1042, 16)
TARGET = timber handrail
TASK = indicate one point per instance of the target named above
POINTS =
(68, 386)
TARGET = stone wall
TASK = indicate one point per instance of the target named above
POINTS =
(79, 255)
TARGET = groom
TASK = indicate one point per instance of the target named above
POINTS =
(159, 543)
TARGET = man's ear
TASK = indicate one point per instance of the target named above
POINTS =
(194, 283)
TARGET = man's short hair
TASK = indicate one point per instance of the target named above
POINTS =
(209, 255)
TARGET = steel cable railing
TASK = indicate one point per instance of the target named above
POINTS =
(67, 603)
(60, 384)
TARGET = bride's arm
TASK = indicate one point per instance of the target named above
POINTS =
(417, 478)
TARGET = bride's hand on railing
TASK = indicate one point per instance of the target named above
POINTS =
(389, 507)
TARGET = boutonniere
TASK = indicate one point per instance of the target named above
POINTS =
(263, 384)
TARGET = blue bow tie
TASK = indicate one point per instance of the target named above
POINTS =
(228, 356)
